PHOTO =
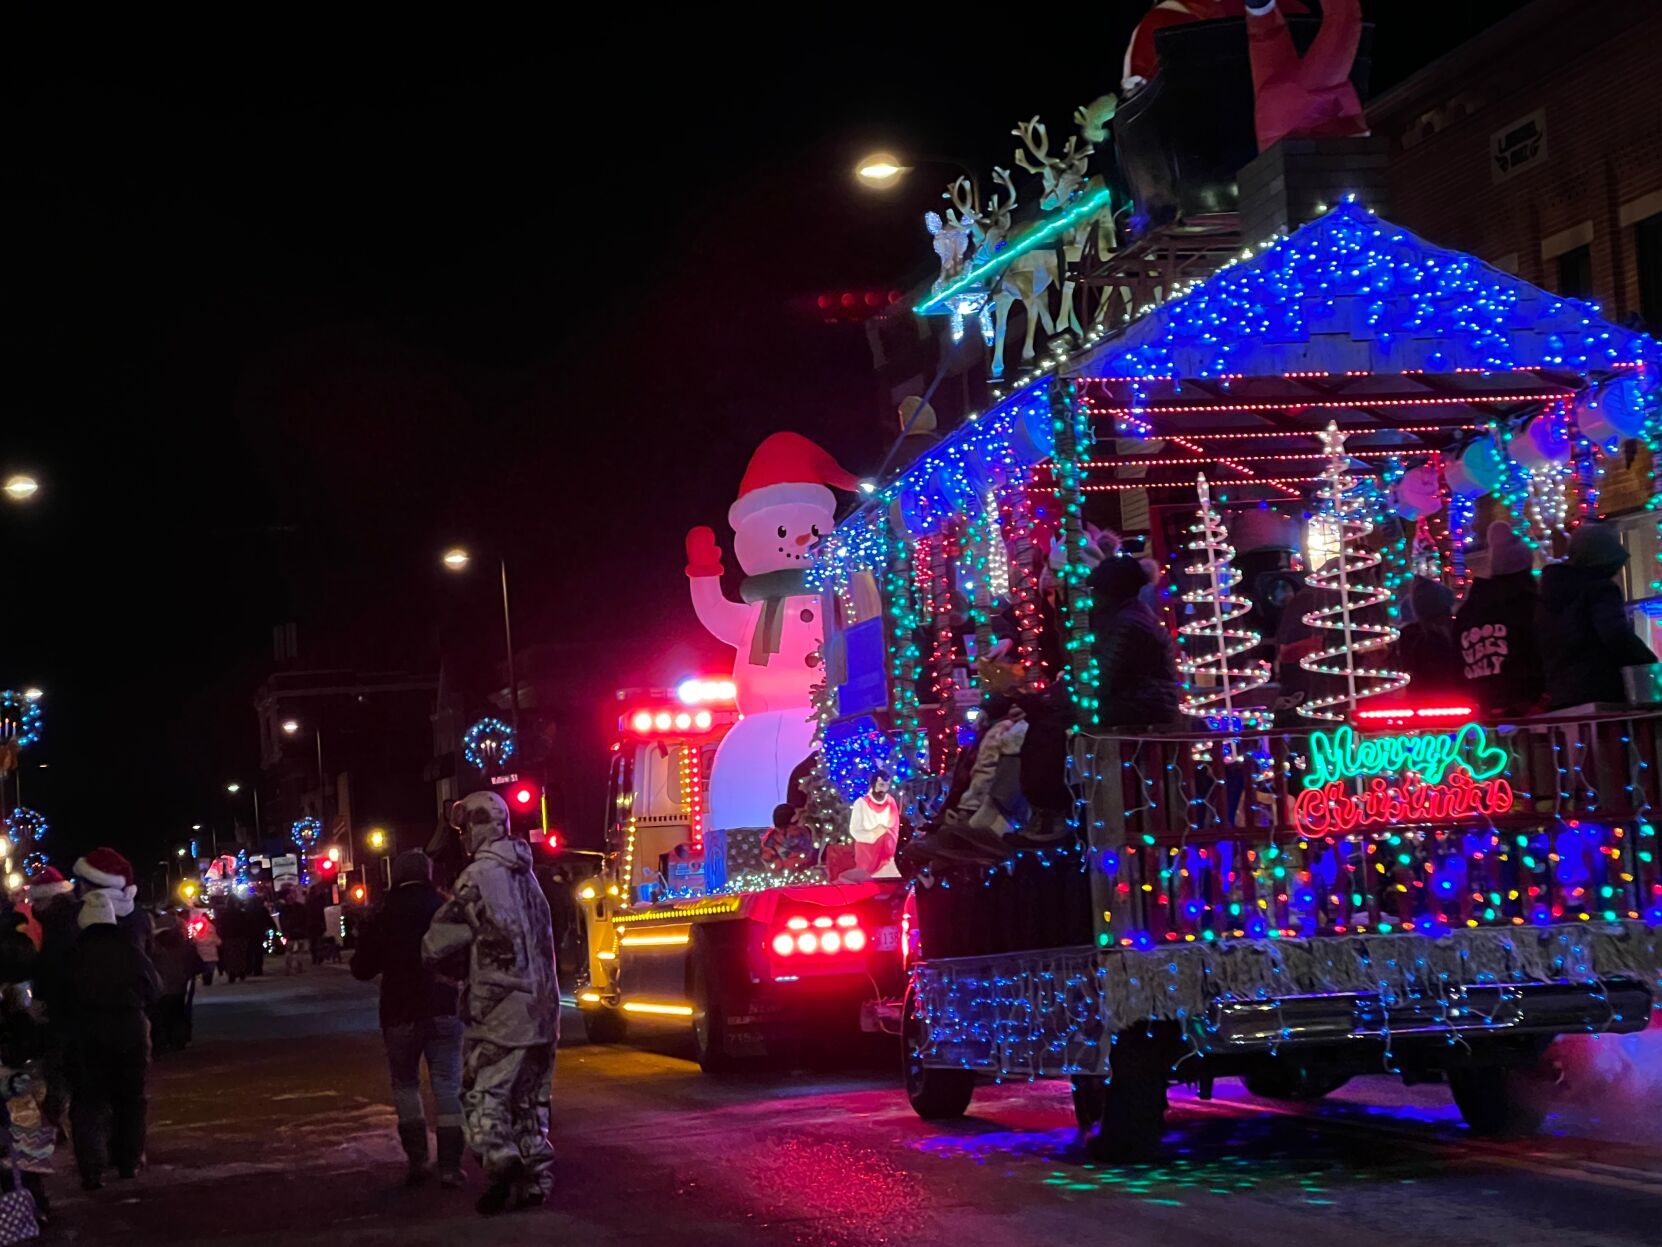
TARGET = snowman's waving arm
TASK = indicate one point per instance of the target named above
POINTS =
(721, 618)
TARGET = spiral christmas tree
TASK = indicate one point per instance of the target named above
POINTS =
(1352, 618)
(1212, 643)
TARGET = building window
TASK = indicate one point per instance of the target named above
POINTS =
(1647, 244)
(1575, 272)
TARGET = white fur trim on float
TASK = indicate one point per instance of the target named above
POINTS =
(40, 891)
(93, 875)
(804, 493)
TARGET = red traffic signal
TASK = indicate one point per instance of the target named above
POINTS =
(524, 798)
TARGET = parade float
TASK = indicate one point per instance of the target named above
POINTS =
(1315, 868)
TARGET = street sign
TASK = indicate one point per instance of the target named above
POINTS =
(285, 871)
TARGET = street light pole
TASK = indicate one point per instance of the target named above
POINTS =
(508, 635)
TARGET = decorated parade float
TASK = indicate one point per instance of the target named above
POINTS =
(1317, 862)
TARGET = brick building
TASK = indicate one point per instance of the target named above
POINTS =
(1537, 146)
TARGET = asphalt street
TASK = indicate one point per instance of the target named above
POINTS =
(276, 1127)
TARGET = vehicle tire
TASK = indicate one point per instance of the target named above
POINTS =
(935, 1094)
(1498, 1101)
(1293, 1080)
(605, 1025)
(709, 1019)
(1133, 1100)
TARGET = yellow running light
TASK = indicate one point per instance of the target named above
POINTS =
(655, 941)
(657, 1010)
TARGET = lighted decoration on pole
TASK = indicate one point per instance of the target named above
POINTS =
(25, 828)
(1345, 510)
(488, 743)
(1210, 644)
(304, 831)
(19, 718)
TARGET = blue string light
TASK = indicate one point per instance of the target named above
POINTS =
(489, 742)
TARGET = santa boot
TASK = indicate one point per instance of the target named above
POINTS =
(413, 1135)
(450, 1155)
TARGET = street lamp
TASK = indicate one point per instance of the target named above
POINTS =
(884, 170)
(32, 694)
(234, 788)
(291, 727)
(456, 559)
(377, 839)
(21, 487)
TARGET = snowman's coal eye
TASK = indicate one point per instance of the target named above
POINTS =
(781, 530)
(814, 528)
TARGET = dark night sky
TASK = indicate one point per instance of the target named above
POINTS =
(280, 322)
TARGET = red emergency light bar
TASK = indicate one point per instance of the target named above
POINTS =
(1447, 714)
(677, 721)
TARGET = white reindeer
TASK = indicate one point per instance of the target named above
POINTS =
(1026, 279)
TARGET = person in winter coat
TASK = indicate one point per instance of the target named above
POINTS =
(204, 936)
(1133, 650)
(418, 1016)
(17, 950)
(294, 921)
(1495, 628)
(1426, 650)
(177, 964)
(1582, 624)
(108, 990)
(105, 870)
(510, 1006)
(52, 899)
(261, 926)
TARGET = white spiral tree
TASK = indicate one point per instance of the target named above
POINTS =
(1213, 642)
(1356, 618)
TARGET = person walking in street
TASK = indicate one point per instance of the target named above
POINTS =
(418, 1016)
(204, 934)
(52, 900)
(109, 986)
(510, 1006)
(292, 918)
(177, 964)
(317, 926)
(261, 927)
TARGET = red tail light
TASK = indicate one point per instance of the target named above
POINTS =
(822, 938)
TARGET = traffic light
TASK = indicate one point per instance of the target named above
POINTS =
(525, 798)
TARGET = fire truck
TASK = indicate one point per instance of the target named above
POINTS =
(686, 927)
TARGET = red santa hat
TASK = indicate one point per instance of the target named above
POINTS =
(105, 868)
(49, 882)
(788, 468)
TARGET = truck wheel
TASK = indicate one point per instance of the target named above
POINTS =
(709, 1020)
(1293, 1080)
(604, 1025)
(935, 1094)
(1497, 1100)
(1133, 1100)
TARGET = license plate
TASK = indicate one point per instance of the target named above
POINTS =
(888, 939)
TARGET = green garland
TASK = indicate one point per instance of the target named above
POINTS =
(1074, 438)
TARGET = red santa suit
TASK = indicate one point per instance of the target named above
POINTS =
(874, 826)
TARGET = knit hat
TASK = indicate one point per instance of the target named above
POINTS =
(1507, 551)
(788, 468)
(49, 882)
(105, 868)
(97, 909)
(1118, 580)
(1430, 599)
(411, 866)
(1597, 548)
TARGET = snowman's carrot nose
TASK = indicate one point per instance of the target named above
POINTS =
(803, 539)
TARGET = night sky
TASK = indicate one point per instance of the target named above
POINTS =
(282, 321)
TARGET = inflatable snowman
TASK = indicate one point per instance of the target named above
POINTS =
(785, 504)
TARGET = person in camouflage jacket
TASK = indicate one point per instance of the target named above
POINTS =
(510, 1004)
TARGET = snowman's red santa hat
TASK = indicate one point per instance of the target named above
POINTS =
(788, 468)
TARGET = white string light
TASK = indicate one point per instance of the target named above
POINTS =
(1211, 644)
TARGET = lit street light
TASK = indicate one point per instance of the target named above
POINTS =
(881, 170)
(377, 839)
(456, 559)
(21, 487)
(290, 726)
(32, 694)
(233, 789)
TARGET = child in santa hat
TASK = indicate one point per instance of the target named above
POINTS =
(106, 871)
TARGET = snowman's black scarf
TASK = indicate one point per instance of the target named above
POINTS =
(771, 589)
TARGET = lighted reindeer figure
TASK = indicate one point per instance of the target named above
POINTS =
(1025, 279)
(952, 236)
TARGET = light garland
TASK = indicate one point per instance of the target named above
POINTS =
(25, 828)
(488, 743)
(1071, 428)
(1210, 644)
(1341, 501)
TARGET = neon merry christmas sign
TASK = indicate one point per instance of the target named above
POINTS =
(1411, 777)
